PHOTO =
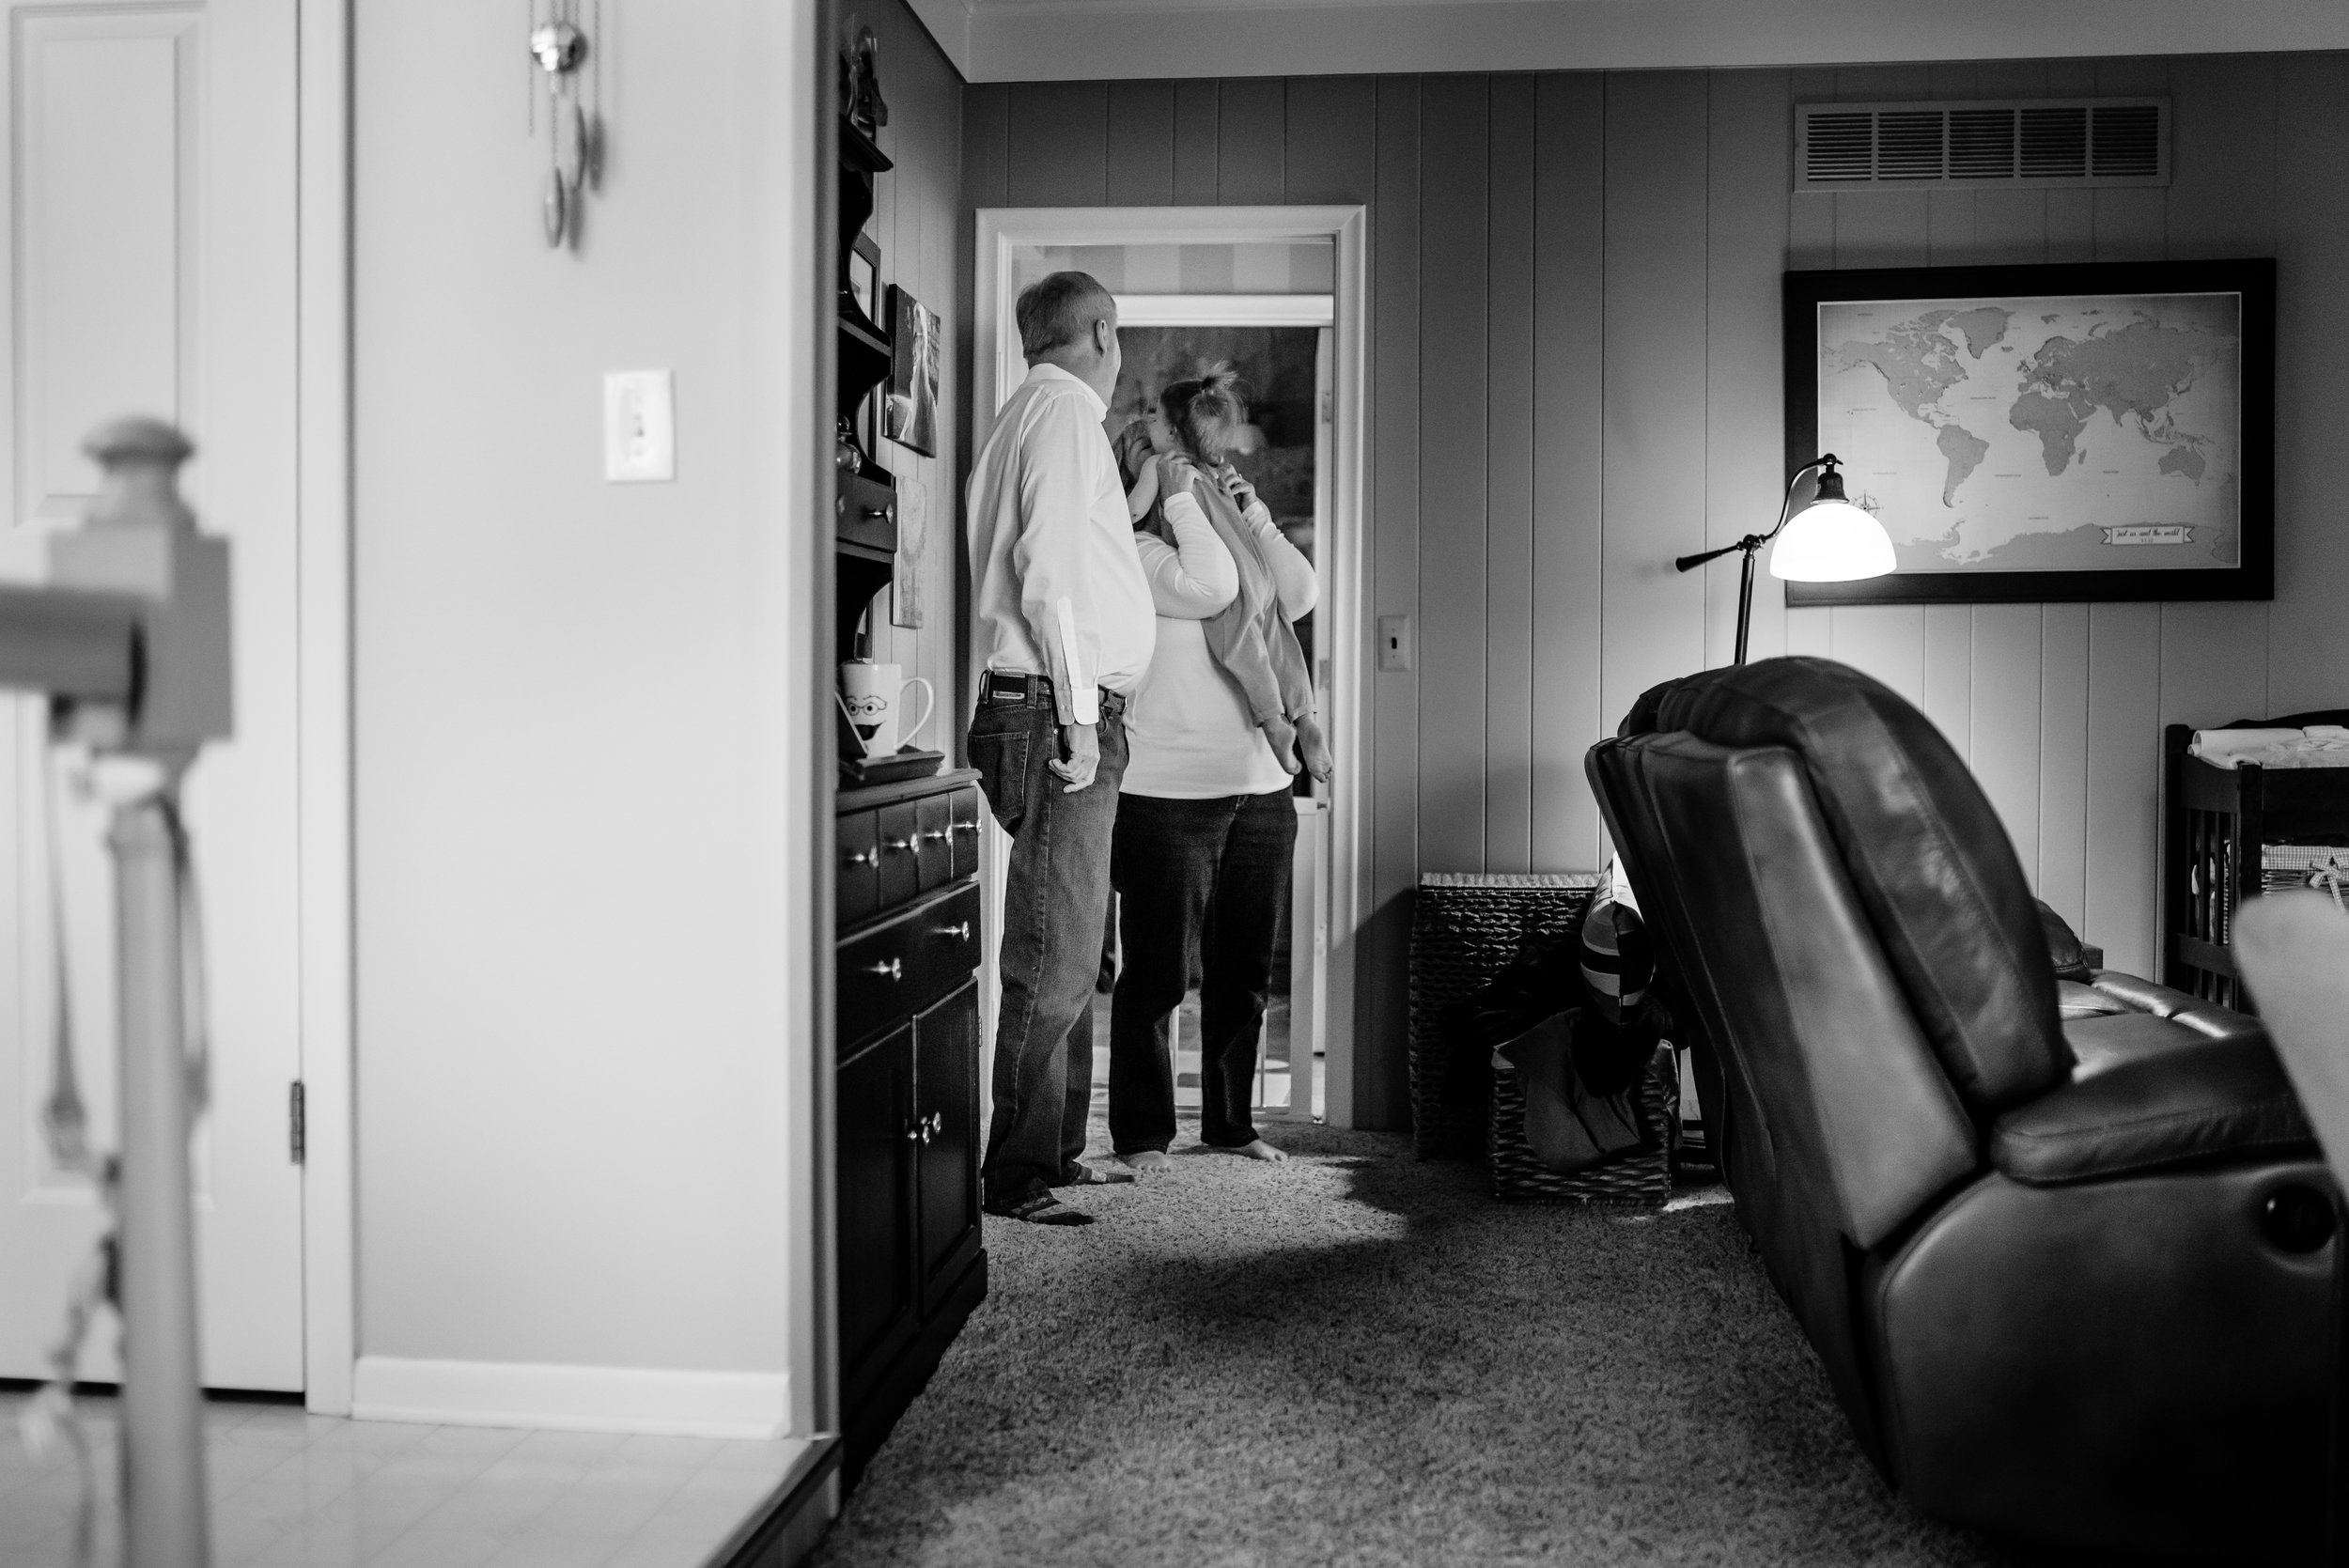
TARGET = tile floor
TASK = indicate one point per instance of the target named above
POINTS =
(292, 1490)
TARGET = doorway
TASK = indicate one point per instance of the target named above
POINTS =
(1296, 335)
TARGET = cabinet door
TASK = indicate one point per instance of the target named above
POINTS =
(900, 840)
(962, 832)
(877, 1146)
(946, 1090)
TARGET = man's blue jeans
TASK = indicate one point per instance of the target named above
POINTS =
(1055, 900)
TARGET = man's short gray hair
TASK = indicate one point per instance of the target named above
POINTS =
(1060, 309)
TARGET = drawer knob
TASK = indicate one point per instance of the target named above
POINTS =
(936, 835)
(901, 844)
(960, 932)
(932, 1126)
(863, 857)
(972, 827)
(894, 968)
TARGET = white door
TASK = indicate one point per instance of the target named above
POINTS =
(150, 268)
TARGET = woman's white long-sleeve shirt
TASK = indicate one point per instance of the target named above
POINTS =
(1190, 734)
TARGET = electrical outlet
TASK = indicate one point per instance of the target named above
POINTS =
(639, 426)
(1394, 643)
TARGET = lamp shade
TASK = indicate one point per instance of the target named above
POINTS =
(1831, 542)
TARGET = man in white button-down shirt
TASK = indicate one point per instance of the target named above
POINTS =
(1062, 627)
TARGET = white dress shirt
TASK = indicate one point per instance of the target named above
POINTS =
(1190, 734)
(1057, 584)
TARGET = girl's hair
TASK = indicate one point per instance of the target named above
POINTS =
(1207, 413)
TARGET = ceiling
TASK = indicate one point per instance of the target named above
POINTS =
(1033, 40)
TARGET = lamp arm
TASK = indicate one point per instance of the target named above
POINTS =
(1753, 542)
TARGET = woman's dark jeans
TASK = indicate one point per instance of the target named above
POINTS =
(1202, 885)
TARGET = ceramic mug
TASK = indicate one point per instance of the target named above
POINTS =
(873, 697)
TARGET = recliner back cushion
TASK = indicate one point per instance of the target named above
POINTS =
(1926, 855)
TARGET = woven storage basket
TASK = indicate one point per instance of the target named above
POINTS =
(1640, 1175)
(1465, 926)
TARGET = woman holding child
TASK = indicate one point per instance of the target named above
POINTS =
(1218, 727)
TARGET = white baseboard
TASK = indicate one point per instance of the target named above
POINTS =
(572, 1399)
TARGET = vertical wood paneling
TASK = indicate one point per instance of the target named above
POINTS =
(1195, 142)
(2064, 760)
(1140, 153)
(1888, 641)
(1455, 212)
(1948, 674)
(1250, 131)
(2308, 634)
(2006, 721)
(2124, 780)
(1509, 484)
(1810, 214)
(1058, 136)
(1382, 1085)
(1747, 176)
(1600, 255)
(1332, 126)
(1569, 212)
(1654, 505)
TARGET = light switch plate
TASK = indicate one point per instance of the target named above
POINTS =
(1394, 643)
(639, 426)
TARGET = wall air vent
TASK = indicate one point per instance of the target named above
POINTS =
(2045, 142)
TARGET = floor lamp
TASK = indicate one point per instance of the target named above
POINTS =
(1827, 540)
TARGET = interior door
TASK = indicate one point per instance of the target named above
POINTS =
(150, 268)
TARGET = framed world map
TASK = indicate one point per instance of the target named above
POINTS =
(2099, 432)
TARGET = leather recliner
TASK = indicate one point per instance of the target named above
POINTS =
(2084, 1298)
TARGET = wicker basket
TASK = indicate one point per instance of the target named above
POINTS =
(1640, 1175)
(1464, 928)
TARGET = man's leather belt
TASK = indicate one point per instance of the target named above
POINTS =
(1016, 687)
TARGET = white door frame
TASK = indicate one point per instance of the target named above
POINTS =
(996, 367)
(330, 1298)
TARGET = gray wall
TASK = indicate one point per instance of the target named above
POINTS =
(1574, 366)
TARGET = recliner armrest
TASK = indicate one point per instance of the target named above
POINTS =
(2206, 1017)
(2173, 1107)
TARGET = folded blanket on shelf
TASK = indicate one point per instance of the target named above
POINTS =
(2318, 746)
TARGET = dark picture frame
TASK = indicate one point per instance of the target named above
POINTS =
(2253, 280)
(864, 276)
(910, 416)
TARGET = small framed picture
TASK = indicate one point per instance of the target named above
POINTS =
(863, 281)
(912, 415)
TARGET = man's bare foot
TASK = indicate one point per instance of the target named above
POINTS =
(1147, 1162)
(1281, 737)
(1264, 1151)
(1310, 740)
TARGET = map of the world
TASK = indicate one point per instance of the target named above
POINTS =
(2057, 434)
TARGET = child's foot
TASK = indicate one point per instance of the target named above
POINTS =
(1318, 762)
(1282, 735)
(1262, 1150)
(1147, 1162)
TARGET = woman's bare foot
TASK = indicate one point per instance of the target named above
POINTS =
(1318, 762)
(1147, 1162)
(1262, 1150)
(1281, 737)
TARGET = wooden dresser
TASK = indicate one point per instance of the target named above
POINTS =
(909, 1264)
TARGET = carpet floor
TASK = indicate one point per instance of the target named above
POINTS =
(1360, 1358)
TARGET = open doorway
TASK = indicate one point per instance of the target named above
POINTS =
(1277, 294)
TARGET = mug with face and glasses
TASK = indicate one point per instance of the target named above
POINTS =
(873, 697)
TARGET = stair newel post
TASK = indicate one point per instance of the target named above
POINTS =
(140, 538)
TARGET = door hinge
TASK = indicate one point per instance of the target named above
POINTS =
(297, 1128)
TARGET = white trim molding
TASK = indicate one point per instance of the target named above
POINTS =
(997, 366)
(1226, 310)
(1066, 41)
(749, 1405)
(329, 1245)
